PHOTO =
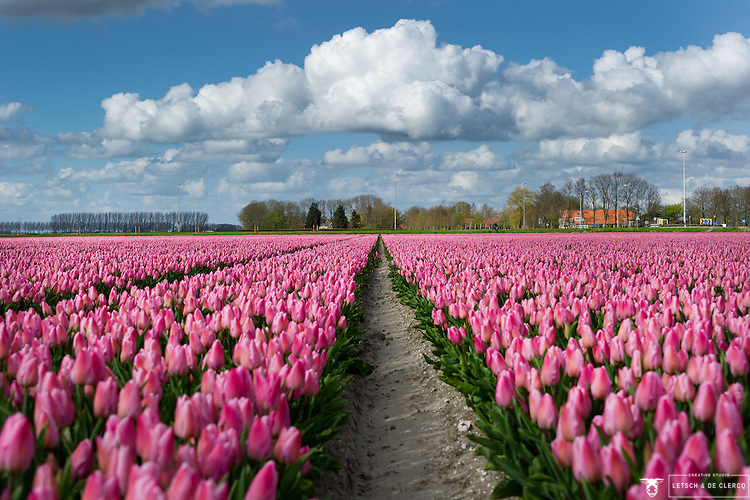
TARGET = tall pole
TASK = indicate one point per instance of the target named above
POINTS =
(684, 206)
(524, 205)
(178, 208)
(394, 205)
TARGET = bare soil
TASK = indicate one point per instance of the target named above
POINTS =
(407, 430)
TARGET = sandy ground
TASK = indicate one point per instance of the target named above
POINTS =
(407, 429)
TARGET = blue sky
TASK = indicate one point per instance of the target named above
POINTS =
(110, 104)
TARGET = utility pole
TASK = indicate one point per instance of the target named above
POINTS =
(178, 208)
(684, 206)
(394, 205)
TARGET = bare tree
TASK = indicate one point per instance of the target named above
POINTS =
(602, 183)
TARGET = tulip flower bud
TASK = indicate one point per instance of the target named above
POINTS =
(728, 456)
(82, 372)
(288, 444)
(570, 424)
(696, 449)
(649, 391)
(616, 416)
(259, 440)
(184, 483)
(264, 483)
(215, 356)
(17, 444)
(601, 384)
(98, 486)
(547, 412)
(185, 418)
(614, 468)
(82, 460)
(704, 404)
(728, 416)
(505, 390)
(586, 462)
(106, 398)
(129, 403)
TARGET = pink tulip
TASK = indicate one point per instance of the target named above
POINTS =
(737, 361)
(573, 357)
(495, 361)
(728, 456)
(106, 398)
(143, 482)
(44, 485)
(209, 490)
(259, 440)
(267, 390)
(649, 391)
(296, 378)
(550, 374)
(570, 424)
(82, 460)
(98, 486)
(217, 452)
(505, 390)
(28, 374)
(696, 448)
(665, 412)
(264, 483)
(616, 416)
(614, 468)
(601, 384)
(184, 483)
(626, 380)
(214, 357)
(704, 404)
(684, 390)
(185, 418)
(17, 444)
(288, 444)
(547, 412)
(129, 402)
(562, 451)
(728, 416)
(82, 372)
(656, 468)
(586, 462)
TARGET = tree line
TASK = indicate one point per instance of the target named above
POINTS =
(364, 212)
(112, 222)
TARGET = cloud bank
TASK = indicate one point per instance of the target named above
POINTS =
(399, 82)
(438, 114)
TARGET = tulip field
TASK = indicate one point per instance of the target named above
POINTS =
(174, 367)
(601, 365)
(604, 365)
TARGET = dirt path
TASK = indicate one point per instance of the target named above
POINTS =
(407, 431)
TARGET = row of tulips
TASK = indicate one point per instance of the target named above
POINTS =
(594, 362)
(42, 270)
(221, 384)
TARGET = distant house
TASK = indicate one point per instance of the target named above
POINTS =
(574, 218)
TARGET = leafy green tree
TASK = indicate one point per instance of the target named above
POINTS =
(313, 216)
(356, 220)
(672, 212)
(276, 219)
(339, 218)
(252, 214)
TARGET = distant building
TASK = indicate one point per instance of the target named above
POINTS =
(574, 218)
